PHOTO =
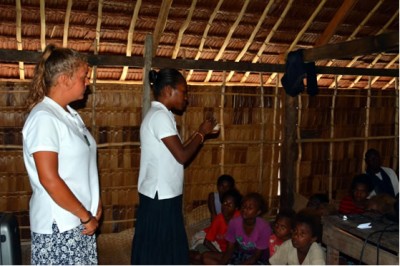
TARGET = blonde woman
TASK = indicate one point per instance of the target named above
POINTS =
(60, 158)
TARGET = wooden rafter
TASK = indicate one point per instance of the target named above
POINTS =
(228, 37)
(182, 29)
(252, 36)
(19, 38)
(388, 23)
(394, 60)
(301, 32)
(66, 23)
(205, 33)
(98, 26)
(160, 25)
(268, 38)
(337, 19)
(130, 36)
(42, 25)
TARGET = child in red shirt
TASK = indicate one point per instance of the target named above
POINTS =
(282, 229)
(356, 202)
(214, 241)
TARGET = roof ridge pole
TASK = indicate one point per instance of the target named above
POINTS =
(148, 57)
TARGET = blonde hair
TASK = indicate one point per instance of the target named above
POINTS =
(54, 62)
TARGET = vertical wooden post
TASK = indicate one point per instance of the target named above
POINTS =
(289, 152)
(148, 56)
(332, 135)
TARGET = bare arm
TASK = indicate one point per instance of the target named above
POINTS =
(211, 205)
(47, 167)
(228, 253)
(184, 152)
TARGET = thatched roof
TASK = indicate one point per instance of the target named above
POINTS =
(255, 33)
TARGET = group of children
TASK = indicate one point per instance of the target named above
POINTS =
(239, 235)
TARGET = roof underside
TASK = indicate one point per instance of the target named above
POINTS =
(251, 31)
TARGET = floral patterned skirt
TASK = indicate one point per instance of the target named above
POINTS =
(67, 248)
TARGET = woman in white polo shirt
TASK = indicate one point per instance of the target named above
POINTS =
(160, 236)
(60, 158)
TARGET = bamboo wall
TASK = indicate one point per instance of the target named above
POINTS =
(334, 130)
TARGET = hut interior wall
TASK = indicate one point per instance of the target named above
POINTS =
(248, 147)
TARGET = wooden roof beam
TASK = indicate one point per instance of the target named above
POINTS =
(161, 22)
(364, 46)
(32, 57)
(337, 19)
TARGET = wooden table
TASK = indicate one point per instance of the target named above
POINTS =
(343, 236)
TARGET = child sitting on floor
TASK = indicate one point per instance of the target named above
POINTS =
(248, 235)
(224, 183)
(282, 229)
(302, 249)
(356, 202)
(214, 239)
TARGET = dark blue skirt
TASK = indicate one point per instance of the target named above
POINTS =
(160, 236)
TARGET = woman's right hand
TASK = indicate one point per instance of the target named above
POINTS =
(207, 126)
(91, 226)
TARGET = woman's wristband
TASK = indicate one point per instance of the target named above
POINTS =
(201, 136)
(88, 220)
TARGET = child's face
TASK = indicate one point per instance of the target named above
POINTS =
(302, 237)
(282, 228)
(250, 209)
(228, 207)
(360, 192)
(223, 187)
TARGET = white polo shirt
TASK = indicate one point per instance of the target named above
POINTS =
(50, 128)
(159, 170)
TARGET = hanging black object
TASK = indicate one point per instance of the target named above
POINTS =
(296, 70)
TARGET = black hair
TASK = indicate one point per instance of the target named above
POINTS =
(262, 206)
(235, 194)
(163, 78)
(371, 152)
(289, 214)
(362, 179)
(226, 178)
(317, 199)
(312, 219)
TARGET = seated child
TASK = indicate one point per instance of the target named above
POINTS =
(224, 183)
(214, 239)
(302, 249)
(282, 229)
(248, 235)
(356, 202)
(320, 203)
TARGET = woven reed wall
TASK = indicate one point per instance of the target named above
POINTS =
(248, 146)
